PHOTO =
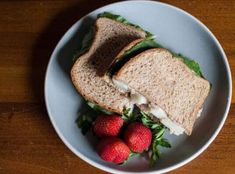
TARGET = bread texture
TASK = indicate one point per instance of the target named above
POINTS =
(87, 72)
(168, 83)
(106, 76)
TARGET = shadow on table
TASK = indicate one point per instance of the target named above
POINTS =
(47, 40)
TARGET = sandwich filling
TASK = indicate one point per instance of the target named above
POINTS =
(154, 110)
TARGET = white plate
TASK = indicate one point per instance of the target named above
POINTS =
(176, 30)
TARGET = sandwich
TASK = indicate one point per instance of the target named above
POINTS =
(164, 87)
(127, 78)
(110, 37)
(125, 67)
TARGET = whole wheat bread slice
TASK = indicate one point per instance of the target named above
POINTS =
(168, 83)
(110, 38)
(106, 76)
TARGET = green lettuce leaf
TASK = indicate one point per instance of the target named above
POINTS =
(158, 131)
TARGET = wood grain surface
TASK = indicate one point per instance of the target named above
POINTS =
(29, 30)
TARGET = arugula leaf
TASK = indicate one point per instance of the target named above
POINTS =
(85, 121)
(155, 153)
(157, 135)
(158, 131)
(99, 109)
(121, 19)
(158, 140)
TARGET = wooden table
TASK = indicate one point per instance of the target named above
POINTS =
(29, 30)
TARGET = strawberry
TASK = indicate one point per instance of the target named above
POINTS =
(138, 137)
(107, 125)
(112, 149)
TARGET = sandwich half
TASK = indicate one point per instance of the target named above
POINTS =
(164, 87)
(87, 73)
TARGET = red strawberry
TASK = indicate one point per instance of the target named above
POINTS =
(138, 137)
(112, 149)
(107, 125)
